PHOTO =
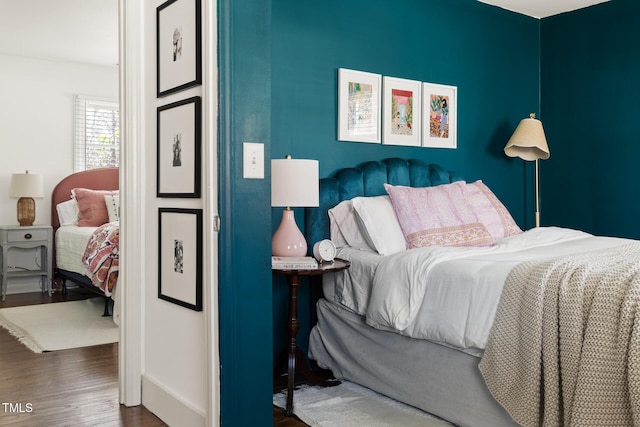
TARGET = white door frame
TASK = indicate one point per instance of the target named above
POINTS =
(133, 182)
(210, 200)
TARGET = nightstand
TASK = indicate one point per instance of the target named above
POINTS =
(36, 238)
(295, 355)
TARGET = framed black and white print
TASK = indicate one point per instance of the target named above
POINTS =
(180, 257)
(179, 148)
(178, 45)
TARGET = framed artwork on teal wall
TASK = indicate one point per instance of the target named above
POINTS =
(180, 257)
(401, 111)
(178, 45)
(440, 118)
(359, 95)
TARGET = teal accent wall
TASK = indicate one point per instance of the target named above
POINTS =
(278, 82)
(491, 55)
(245, 237)
(590, 110)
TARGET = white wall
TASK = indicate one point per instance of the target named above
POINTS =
(36, 126)
(36, 131)
(175, 345)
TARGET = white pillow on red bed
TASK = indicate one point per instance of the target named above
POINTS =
(367, 223)
(437, 216)
(67, 212)
(91, 206)
(112, 201)
(490, 211)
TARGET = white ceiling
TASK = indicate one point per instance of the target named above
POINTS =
(68, 30)
(87, 30)
(542, 8)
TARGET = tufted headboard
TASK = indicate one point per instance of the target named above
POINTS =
(368, 179)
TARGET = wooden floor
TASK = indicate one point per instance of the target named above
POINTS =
(281, 420)
(76, 387)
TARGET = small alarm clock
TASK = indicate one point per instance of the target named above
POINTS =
(324, 251)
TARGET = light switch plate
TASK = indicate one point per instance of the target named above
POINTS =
(253, 160)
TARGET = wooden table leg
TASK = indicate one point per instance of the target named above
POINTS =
(294, 325)
(296, 356)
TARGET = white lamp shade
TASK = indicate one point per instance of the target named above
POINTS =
(294, 183)
(26, 185)
(528, 141)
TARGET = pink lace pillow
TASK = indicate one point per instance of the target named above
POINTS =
(491, 212)
(437, 216)
(92, 209)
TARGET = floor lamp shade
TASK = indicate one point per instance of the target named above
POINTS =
(294, 183)
(26, 186)
(529, 143)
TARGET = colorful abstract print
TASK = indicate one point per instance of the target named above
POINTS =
(439, 116)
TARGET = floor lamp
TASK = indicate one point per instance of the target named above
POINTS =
(529, 143)
(294, 183)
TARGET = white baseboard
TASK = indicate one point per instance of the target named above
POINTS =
(168, 407)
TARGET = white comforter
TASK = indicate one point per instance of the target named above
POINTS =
(450, 295)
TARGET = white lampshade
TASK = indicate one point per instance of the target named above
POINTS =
(528, 141)
(26, 185)
(294, 183)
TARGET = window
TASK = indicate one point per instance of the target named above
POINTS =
(97, 134)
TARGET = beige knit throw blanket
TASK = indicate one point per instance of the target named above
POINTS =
(564, 349)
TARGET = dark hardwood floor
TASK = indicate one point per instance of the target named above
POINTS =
(281, 420)
(76, 387)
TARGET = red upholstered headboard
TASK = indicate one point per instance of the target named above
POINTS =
(93, 179)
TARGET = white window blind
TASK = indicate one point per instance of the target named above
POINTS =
(97, 133)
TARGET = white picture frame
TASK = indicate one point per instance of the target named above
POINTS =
(359, 96)
(440, 116)
(401, 111)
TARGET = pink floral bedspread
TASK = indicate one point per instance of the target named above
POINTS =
(101, 256)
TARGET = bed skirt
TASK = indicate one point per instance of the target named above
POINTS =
(437, 379)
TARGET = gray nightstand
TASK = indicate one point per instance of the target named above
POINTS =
(38, 238)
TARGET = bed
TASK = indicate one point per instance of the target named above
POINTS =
(476, 322)
(85, 221)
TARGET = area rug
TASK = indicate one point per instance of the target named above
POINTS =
(350, 405)
(61, 325)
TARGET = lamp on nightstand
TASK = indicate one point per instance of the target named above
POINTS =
(26, 186)
(294, 183)
(529, 143)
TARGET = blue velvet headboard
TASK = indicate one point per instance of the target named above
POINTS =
(368, 179)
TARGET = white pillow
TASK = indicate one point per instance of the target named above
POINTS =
(68, 212)
(113, 206)
(383, 230)
(345, 228)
